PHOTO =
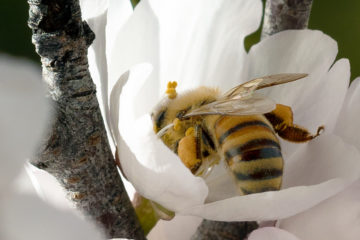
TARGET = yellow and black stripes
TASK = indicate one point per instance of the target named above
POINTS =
(252, 152)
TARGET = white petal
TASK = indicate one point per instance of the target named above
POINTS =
(272, 233)
(105, 24)
(179, 228)
(324, 158)
(118, 14)
(24, 114)
(93, 8)
(267, 206)
(202, 42)
(348, 122)
(137, 43)
(293, 51)
(98, 62)
(323, 107)
(48, 188)
(335, 218)
(26, 217)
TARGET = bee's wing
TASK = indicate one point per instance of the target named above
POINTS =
(249, 87)
(235, 107)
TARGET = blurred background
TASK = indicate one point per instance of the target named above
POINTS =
(339, 19)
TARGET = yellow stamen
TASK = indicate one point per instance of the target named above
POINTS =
(171, 90)
(177, 124)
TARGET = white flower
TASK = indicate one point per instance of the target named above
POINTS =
(201, 43)
(24, 118)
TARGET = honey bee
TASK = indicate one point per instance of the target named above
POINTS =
(239, 127)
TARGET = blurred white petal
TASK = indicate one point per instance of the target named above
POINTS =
(24, 114)
(25, 217)
(179, 228)
(335, 218)
(272, 233)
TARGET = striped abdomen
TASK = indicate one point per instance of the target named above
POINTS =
(252, 152)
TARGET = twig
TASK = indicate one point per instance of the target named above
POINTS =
(77, 151)
(279, 15)
(285, 14)
(213, 230)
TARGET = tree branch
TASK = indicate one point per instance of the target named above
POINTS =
(212, 230)
(77, 151)
(279, 15)
(285, 14)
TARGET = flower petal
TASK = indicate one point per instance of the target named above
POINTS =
(136, 43)
(24, 114)
(26, 217)
(348, 122)
(324, 158)
(293, 51)
(206, 32)
(272, 233)
(93, 8)
(179, 228)
(322, 108)
(335, 218)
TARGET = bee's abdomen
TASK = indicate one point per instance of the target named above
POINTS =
(252, 152)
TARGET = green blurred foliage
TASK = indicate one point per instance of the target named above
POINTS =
(15, 35)
(134, 2)
(339, 19)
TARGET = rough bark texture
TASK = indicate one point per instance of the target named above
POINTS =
(285, 14)
(279, 15)
(213, 230)
(77, 151)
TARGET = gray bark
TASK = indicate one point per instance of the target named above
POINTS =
(279, 15)
(285, 14)
(213, 230)
(77, 151)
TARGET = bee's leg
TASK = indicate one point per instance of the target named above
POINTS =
(282, 120)
(189, 149)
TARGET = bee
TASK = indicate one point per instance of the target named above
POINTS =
(239, 127)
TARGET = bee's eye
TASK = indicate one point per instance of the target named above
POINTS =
(181, 114)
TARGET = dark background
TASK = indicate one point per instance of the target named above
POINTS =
(339, 19)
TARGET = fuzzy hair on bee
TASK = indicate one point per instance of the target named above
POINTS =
(239, 127)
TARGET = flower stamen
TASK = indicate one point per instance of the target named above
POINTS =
(171, 90)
